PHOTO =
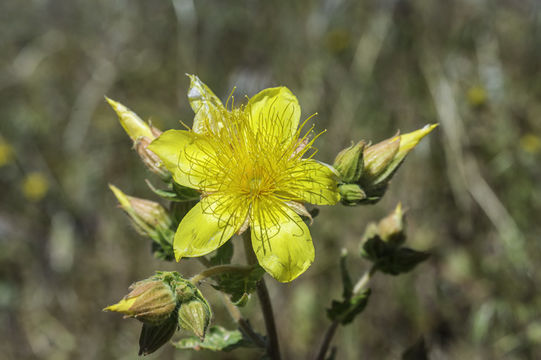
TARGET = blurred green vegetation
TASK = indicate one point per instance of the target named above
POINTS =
(367, 68)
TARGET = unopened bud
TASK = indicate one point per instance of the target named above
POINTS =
(150, 301)
(132, 124)
(349, 163)
(148, 217)
(351, 194)
(378, 157)
(151, 160)
(391, 228)
(410, 140)
(194, 315)
(383, 159)
(142, 135)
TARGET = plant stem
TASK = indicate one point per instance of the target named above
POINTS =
(243, 323)
(273, 348)
(233, 311)
(218, 269)
(331, 330)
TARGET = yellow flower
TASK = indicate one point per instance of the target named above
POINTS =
(35, 186)
(6, 152)
(248, 165)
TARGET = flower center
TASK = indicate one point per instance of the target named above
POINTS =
(255, 186)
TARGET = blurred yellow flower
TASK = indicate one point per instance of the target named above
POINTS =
(530, 143)
(248, 165)
(477, 95)
(35, 186)
(6, 152)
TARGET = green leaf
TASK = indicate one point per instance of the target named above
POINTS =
(375, 249)
(223, 255)
(239, 284)
(346, 310)
(217, 339)
(401, 261)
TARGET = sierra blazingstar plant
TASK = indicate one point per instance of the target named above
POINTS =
(249, 164)
(250, 170)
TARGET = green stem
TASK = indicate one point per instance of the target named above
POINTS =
(233, 311)
(216, 270)
(331, 330)
(273, 348)
(243, 323)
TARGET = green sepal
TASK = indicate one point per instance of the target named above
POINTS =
(351, 194)
(217, 339)
(177, 193)
(223, 255)
(239, 284)
(345, 311)
(153, 337)
(349, 163)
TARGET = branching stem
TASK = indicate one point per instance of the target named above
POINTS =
(331, 330)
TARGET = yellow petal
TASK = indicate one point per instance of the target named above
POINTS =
(207, 226)
(274, 113)
(134, 126)
(186, 155)
(410, 140)
(123, 306)
(206, 106)
(281, 241)
(315, 182)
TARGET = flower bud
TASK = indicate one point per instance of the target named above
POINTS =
(383, 159)
(151, 160)
(349, 162)
(377, 158)
(151, 301)
(132, 124)
(142, 135)
(194, 315)
(148, 217)
(410, 140)
(351, 194)
(391, 228)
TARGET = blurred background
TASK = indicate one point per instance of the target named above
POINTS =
(368, 68)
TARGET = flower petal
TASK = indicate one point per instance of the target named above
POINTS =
(315, 182)
(281, 241)
(206, 106)
(186, 155)
(274, 113)
(207, 226)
